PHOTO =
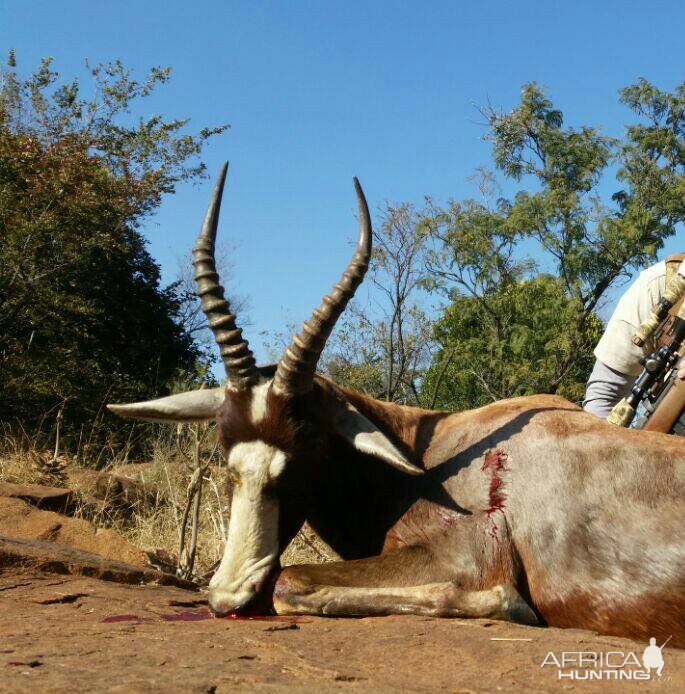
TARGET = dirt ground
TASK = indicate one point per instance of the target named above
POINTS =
(82, 610)
(65, 633)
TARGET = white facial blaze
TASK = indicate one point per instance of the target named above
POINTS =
(252, 544)
(258, 404)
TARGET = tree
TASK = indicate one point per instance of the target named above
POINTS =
(479, 260)
(83, 317)
(383, 347)
(594, 243)
(517, 343)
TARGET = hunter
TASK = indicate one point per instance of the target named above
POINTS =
(618, 359)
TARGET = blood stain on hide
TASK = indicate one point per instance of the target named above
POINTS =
(495, 463)
(447, 517)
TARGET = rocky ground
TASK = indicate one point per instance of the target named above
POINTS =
(73, 620)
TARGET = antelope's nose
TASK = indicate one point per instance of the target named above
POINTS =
(221, 605)
(222, 602)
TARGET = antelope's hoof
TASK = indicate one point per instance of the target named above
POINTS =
(515, 608)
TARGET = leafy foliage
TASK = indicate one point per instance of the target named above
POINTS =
(522, 341)
(510, 329)
(591, 243)
(83, 317)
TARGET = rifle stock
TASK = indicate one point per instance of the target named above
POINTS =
(668, 408)
(657, 380)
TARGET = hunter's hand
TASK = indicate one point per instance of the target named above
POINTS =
(681, 373)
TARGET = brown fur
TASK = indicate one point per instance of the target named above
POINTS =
(234, 424)
(488, 512)
(658, 615)
(412, 426)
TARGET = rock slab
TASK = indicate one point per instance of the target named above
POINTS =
(47, 498)
(17, 555)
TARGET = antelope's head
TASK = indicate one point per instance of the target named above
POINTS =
(275, 424)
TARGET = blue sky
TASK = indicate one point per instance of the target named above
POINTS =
(317, 92)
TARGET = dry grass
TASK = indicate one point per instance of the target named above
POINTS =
(16, 467)
(154, 523)
(156, 526)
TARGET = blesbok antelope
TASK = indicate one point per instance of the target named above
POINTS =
(527, 510)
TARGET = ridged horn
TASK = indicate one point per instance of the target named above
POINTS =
(295, 372)
(236, 355)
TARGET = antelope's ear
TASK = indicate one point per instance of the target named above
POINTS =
(366, 437)
(193, 406)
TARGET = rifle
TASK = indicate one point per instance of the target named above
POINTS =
(664, 413)
(658, 387)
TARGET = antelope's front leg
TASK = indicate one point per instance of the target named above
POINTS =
(394, 583)
(433, 599)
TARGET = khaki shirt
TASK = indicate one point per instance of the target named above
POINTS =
(615, 348)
